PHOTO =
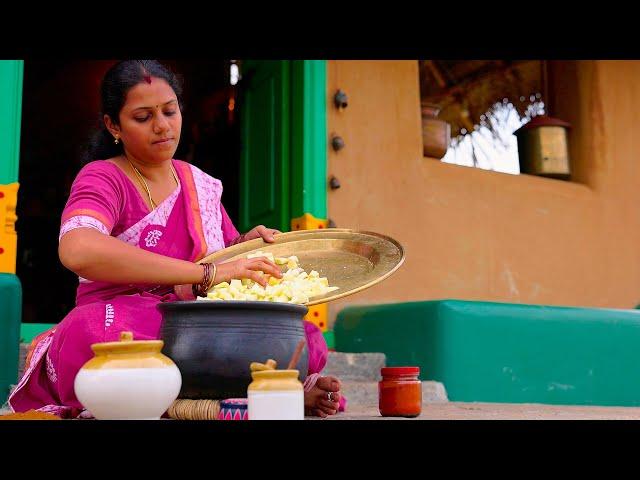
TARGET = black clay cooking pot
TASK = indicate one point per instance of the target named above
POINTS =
(214, 342)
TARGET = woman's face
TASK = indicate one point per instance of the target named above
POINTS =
(150, 122)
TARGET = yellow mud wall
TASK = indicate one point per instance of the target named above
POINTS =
(482, 235)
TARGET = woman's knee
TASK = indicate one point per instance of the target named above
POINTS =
(316, 347)
(76, 332)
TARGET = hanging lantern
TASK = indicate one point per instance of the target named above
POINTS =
(543, 147)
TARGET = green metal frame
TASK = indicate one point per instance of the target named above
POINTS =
(309, 138)
(11, 75)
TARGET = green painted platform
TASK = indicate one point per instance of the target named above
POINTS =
(501, 352)
(28, 331)
(330, 339)
(10, 317)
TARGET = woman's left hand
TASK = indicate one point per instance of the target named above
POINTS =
(267, 234)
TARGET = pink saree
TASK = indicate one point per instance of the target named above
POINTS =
(189, 224)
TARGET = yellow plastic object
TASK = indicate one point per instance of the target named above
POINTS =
(317, 313)
(8, 236)
(308, 222)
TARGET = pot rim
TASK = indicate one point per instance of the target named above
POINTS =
(231, 304)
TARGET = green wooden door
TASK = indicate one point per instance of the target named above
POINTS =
(265, 162)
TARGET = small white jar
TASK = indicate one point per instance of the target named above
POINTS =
(275, 395)
(128, 380)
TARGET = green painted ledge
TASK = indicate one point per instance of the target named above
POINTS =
(502, 352)
(10, 315)
(28, 331)
(330, 339)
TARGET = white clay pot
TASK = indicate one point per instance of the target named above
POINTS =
(128, 380)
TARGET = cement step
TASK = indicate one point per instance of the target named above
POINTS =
(22, 358)
(4, 408)
(355, 366)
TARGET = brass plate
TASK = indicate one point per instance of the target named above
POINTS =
(349, 259)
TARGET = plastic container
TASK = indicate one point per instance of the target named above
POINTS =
(233, 409)
(275, 395)
(400, 392)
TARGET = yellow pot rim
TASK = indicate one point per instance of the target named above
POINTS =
(275, 374)
(126, 344)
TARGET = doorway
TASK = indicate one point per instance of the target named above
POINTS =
(60, 105)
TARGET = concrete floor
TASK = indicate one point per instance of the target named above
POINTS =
(497, 411)
(490, 411)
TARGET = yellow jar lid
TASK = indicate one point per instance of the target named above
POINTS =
(127, 344)
(275, 374)
(265, 380)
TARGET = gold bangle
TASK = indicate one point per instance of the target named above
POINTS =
(212, 282)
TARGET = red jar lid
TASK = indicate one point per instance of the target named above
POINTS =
(542, 121)
(389, 371)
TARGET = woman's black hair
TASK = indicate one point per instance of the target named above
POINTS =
(117, 82)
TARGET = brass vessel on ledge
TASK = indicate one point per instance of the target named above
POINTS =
(543, 147)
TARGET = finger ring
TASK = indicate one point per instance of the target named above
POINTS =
(330, 396)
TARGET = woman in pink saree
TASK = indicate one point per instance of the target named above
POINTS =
(135, 223)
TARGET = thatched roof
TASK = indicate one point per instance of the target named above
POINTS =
(466, 89)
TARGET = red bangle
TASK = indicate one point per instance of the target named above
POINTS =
(201, 289)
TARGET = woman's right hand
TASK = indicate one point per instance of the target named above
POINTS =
(247, 268)
(184, 292)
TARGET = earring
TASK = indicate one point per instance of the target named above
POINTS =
(116, 140)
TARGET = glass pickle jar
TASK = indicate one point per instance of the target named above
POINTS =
(400, 392)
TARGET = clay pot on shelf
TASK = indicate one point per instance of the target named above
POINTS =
(436, 133)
